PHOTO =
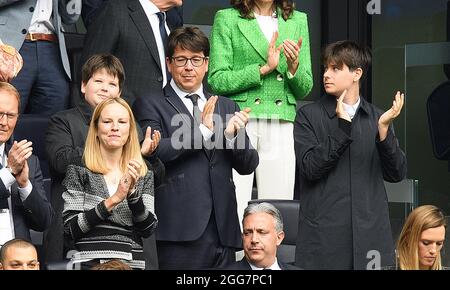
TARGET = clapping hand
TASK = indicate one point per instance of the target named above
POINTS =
(150, 142)
(273, 56)
(237, 122)
(208, 112)
(17, 160)
(128, 181)
(389, 116)
(126, 186)
(292, 52)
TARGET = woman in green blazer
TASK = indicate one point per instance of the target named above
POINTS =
(260, 58)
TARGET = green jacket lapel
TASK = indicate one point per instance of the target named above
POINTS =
(283, 33)
(251, 31)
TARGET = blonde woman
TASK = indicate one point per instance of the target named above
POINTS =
(109, 203)
(421, 240)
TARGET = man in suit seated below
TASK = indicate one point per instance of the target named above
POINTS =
(262, 228)
(202, 139)
(18, 254)
(22, 194)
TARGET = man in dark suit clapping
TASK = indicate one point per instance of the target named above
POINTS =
(23, 205)
(202, 139)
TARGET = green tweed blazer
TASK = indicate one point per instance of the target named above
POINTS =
(239, 48)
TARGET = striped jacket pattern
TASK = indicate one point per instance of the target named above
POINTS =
(99, 234)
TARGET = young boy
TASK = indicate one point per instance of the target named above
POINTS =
(345, 147)
(103, 77)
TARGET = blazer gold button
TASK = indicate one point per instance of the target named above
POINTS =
(278, 102)
(257, 101)
(279, 77)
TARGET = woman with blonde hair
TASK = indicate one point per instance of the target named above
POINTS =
(421, 239)
(109, 203)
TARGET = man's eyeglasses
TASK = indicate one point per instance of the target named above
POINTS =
(195, 61)
(9, 116)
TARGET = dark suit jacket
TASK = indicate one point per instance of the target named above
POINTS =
(35, 212)
(64, 142)
(123, 29)
(198, 182)
(244, 265)
(92, 7)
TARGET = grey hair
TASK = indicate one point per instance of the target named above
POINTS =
(265, 207)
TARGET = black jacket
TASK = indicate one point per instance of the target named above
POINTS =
(343, 203)
(198, 182)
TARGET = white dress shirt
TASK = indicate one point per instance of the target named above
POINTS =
(41, 20)
(351, 109)
(150, 10)
(207, 134)
(267, 24)
(274, 266)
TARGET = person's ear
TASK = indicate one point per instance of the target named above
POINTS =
(83, 88)
(358, 74)
(168, 64)
(280, 238)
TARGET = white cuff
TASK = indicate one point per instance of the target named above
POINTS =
(230, 141)
(25, 192)
(7, 178)
(207, 134)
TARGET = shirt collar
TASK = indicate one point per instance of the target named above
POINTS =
(329, 103)
(2, 150)
(149, 6)
(180, 93)
(274, 266)
(351, 109)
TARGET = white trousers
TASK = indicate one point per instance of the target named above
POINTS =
(275, 174)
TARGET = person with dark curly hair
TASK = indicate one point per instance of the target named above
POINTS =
(260, 58)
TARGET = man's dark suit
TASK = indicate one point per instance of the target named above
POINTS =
(35, 212)
(123, 29)
(244, 265)
(198, 182)
(92, 7)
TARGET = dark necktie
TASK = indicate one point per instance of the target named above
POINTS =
(196, 112)
(4, 196)
(163, 33)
